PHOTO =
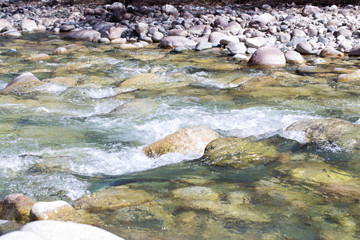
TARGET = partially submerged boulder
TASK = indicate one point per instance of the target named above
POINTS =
(25, 83)
(192, 140)
(238, 152)
(16, 207)
(341, 132)
(47, 210)
(112, 198)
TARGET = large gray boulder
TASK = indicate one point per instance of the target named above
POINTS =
(57, 230)
(268, 56)
(84, 35)
(176, 41)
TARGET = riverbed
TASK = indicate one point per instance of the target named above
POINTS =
(67, 141)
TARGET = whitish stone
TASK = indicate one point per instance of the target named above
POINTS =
(38, 57)
(268, 56)
(215, 38)
(57, 230)
(355, 76)
(236, 48)
(104, 40)
(84, 35)
(294, 57)
(256, 42)
(191, 140)
(59, 50)
(229, 39)
(4, 23)
(18, 235)
(262, 20)
(203, 45)
(196, 193)
(176, 41)
(118, 41)
(304, 48)
(28, 25)
(46, 210)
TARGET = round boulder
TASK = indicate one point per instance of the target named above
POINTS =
(192, 140)
(268, 56)
(294, 57)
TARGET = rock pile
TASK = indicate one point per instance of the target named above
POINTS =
(329, 31)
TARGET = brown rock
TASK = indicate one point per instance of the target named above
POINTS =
(331, 52)
(191, 140)
(16, 207)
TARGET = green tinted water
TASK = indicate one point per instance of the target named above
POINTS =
(65, 143)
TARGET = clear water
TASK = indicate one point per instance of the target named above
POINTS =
(66, 143)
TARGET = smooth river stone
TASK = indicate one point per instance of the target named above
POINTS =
(268, 56)
(192, 140)
(176, 41)
(16, 207)
(46, 210)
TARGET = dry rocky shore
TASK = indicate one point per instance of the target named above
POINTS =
(262, 36)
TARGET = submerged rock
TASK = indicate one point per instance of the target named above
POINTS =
(192, 140)
(238, 152)
(196, 193)
(16, 207)
(341, 132)
(137, 107)
(142, 81)
(268, 56)
(112, 198)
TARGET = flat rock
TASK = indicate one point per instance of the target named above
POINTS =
(46, 210)
(196, 193)
(191, 140)
(268, 56)
(142, 81)
(84, 35)
(349, 77)
(176, 41)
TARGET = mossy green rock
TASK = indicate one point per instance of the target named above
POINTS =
(238, 152)
(196, 193)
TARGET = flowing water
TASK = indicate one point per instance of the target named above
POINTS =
(65, 143)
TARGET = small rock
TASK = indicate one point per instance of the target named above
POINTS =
(304, 48)
(236, 48)
(84, 35)
(176, 41)
(331, 52)
(294, 57)
(46, 210)
(203, 45)
(59, 50)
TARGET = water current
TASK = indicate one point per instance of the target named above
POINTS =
(66, 142)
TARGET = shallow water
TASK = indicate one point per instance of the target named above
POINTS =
(66, 143)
